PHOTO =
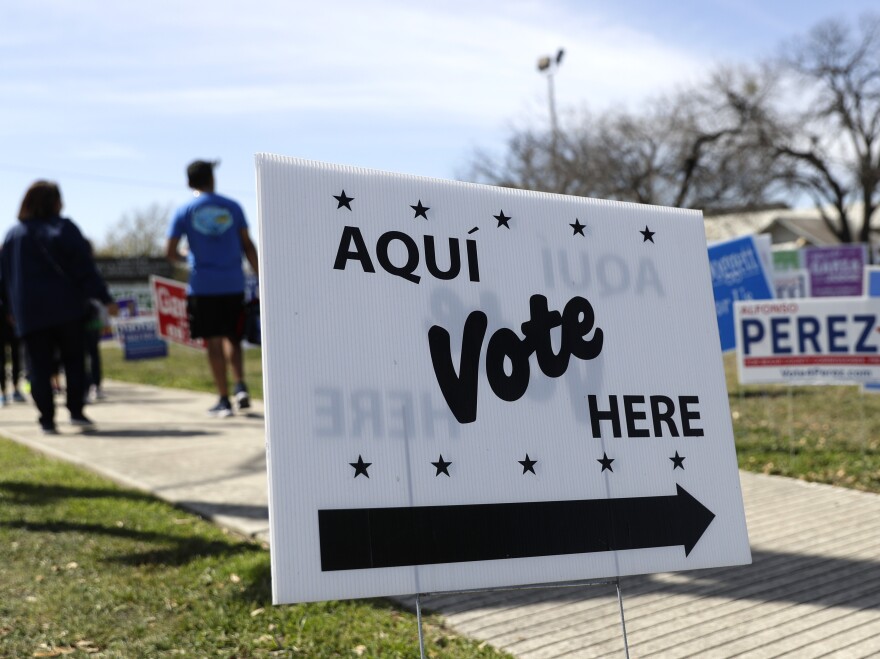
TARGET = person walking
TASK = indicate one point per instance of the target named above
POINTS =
(49, 276)
(8, 339)
(96, 320)
(217, 235)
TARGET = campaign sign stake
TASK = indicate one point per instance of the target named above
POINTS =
(475, 387)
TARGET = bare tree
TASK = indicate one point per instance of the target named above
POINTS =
(832, 145)
(687, 150)
(691, 149)
(139, 233)
(539, 159)
(806, 123)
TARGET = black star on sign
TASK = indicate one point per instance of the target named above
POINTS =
(442, 466)
(343, 201)
(420, 210)
(360, 467)
(647, 234)
(677, 461)
(578, 227)
(606, 462)
(502, 220)
(528, 465)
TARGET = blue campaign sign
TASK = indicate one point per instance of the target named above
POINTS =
(738, 273)
(128, 307)
(872, 289)
(139, 339)
(872, 281)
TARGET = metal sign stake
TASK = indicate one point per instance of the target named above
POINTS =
(622, 618)
(574, 584)
(421, 630)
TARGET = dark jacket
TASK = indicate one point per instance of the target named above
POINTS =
(48, 273)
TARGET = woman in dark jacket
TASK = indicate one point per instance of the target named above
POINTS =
(49, 275)
(8, 338)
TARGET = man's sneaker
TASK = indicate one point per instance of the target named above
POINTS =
(81, 421)
(222, 409)
(4, 400)
(242, 397)
(17, 397)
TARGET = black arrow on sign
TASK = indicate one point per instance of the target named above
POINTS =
(361, 538)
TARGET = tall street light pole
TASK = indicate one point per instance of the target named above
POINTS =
(548, 65)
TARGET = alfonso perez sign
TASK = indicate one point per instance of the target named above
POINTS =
(809, 341)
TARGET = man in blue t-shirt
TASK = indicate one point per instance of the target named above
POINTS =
(217, 234)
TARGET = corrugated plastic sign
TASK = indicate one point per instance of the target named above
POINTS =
(474, 387)
(739, 272)
(808, 341)
(836, 271)
(169, 304)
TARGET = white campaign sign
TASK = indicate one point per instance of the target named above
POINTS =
(474, 387)
(808, 341)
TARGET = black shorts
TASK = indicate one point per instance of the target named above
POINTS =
(216, 315)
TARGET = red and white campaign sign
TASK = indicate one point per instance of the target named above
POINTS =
(169, 303)
(808, 341)
(473, 387)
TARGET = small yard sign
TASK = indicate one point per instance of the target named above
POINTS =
(475, 387)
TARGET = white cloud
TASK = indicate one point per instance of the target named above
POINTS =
(393, 84)
(470, 61)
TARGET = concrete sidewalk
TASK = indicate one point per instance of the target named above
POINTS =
(813, 590)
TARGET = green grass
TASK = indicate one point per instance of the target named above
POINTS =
(823, 434)
(92, 569)
(826, 434)
(184, 368)
(95, 570)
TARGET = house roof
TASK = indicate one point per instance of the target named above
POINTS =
(806, 224)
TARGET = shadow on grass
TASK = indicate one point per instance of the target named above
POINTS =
(169, 548)
(177, 550)
(44, 494)
(259, 583)
(259, 590)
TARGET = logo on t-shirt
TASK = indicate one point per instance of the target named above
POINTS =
(212, 220)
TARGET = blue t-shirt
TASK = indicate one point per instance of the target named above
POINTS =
(212, 225)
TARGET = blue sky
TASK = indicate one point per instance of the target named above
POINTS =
(113, 99)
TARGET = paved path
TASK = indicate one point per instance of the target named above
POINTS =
(813, 590)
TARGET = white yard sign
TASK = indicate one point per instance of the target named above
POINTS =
(475, 387)
(808, 341)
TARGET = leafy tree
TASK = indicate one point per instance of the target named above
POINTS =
(139, 233)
